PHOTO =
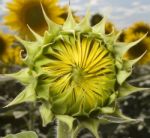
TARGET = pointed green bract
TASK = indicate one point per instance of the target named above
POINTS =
(100, 27)
(84, 25)
(127, 89)
(27, 95)
(46, 114)
(76, 71)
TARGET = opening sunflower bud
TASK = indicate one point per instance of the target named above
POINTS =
(76, 70)
(84, 70)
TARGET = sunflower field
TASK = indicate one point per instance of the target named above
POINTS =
(65, 73)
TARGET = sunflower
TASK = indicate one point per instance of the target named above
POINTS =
(9, 50)
(78, 73)
(29, 12)
(139, 27)
(133, 33)
(6, 41)
(84, 69)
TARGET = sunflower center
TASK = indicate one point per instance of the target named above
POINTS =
(34, 16)
(77, 74)
(2, 45)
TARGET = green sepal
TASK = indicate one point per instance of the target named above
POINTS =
(33, 50)
(110, 40)
(70, 23)
(61, 103)
(115, 117)
(127, 89)
(119, 113)
(46, 113)
(84, 26)
(91, 124)
(48, 37)
(24, 76)
(53, 28)
(36, 35)
(107, 110)
(121, 48)
(123, 75)
(42, 89)
(100, 27)
(68, 120)
(130, 63)
(77, 108)
(42, 60)
(126, 69)
(117, 35)
(27, 95)
(112, 98)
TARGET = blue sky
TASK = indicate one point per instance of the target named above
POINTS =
(122, 12)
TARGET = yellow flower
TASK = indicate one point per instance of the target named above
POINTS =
(109, 27)
(6, 42)
(76, 71)
(29, 12)
(9, 52)
(84, 69)
(139, 27)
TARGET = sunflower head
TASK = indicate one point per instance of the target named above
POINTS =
(24, 13)
(9, 51)
(76, 71)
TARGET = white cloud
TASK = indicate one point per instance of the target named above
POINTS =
(136, 3)
(107, 10)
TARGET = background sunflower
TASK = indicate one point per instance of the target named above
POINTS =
(9, 53)
(29, 12)
(133, 33)
(5, 47)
